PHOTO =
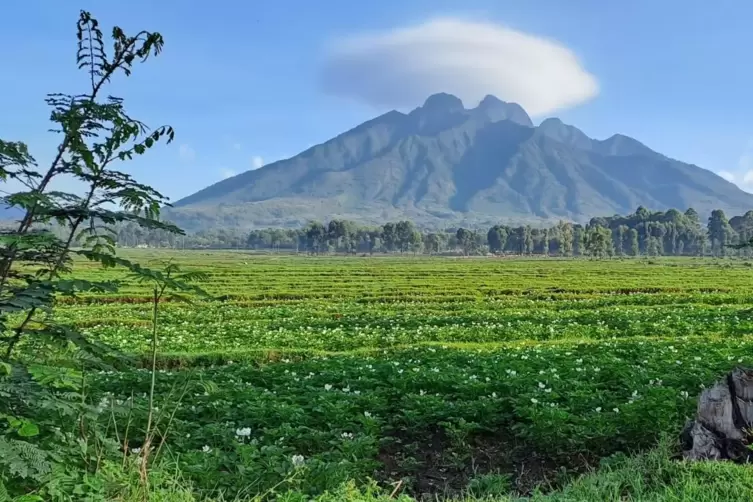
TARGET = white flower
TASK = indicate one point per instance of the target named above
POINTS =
(206, 449)
(136, 451)
(347, 435)
(684, 394)
(494, 394)
(297, 461)
(534, 400)
(598, 410)
(541, 385)
(367, 414)
(616, 410)
(103, 404)
(327, 387)
(244, 432)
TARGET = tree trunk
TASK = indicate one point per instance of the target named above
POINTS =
(721, 429)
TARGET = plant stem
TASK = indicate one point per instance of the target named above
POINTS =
(155, 311)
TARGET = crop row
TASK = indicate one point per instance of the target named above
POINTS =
(347, 326)
(403, 413)
(236, 274)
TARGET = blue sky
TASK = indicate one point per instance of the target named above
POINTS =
(247, 81)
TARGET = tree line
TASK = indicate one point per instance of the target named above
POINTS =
(644, 232)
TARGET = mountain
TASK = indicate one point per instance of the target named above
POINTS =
(10, 213)
(443, 164)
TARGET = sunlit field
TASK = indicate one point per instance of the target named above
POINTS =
(437, 373)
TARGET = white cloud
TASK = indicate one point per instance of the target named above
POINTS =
(227, 173)
(742, 173)
(402, 67)
(186, 152)
(727, 175)
(256, 162)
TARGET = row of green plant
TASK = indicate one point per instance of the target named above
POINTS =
(237, 276)
(328, 420)
(226, 327)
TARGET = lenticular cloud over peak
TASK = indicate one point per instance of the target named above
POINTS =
(401, 67)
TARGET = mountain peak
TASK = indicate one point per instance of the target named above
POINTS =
(443, 101)
(619, 144)
(490, 101)
(442, 164)
(554, 128)
(494, 109)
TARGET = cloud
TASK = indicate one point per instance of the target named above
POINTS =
(256, 162)
(227, 173)
(742, 174)
(727, 176)
(402, 67)
(186, 152)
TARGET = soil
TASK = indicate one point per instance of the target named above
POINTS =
(433, 465)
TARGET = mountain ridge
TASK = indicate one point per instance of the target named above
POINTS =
(443, 164)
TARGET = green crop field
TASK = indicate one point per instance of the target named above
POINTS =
(425, 375)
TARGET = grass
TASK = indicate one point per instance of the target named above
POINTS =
(547, 379)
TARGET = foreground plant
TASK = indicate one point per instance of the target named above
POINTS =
(170, 280)
(50, 425)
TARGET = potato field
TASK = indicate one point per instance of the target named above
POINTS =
(423, 375)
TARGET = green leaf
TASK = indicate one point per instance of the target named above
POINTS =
(28, 430)
(29, 498)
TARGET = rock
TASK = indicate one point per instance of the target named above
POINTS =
(721, 429)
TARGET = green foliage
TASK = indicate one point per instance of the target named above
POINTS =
(403, 353)
(54, 441)
(669, 233)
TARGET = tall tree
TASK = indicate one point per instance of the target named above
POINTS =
(598, 242)
(316, 237)
(389, 236)
(565, 231)
(720, 233)
(497, 239)
(633, 247)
